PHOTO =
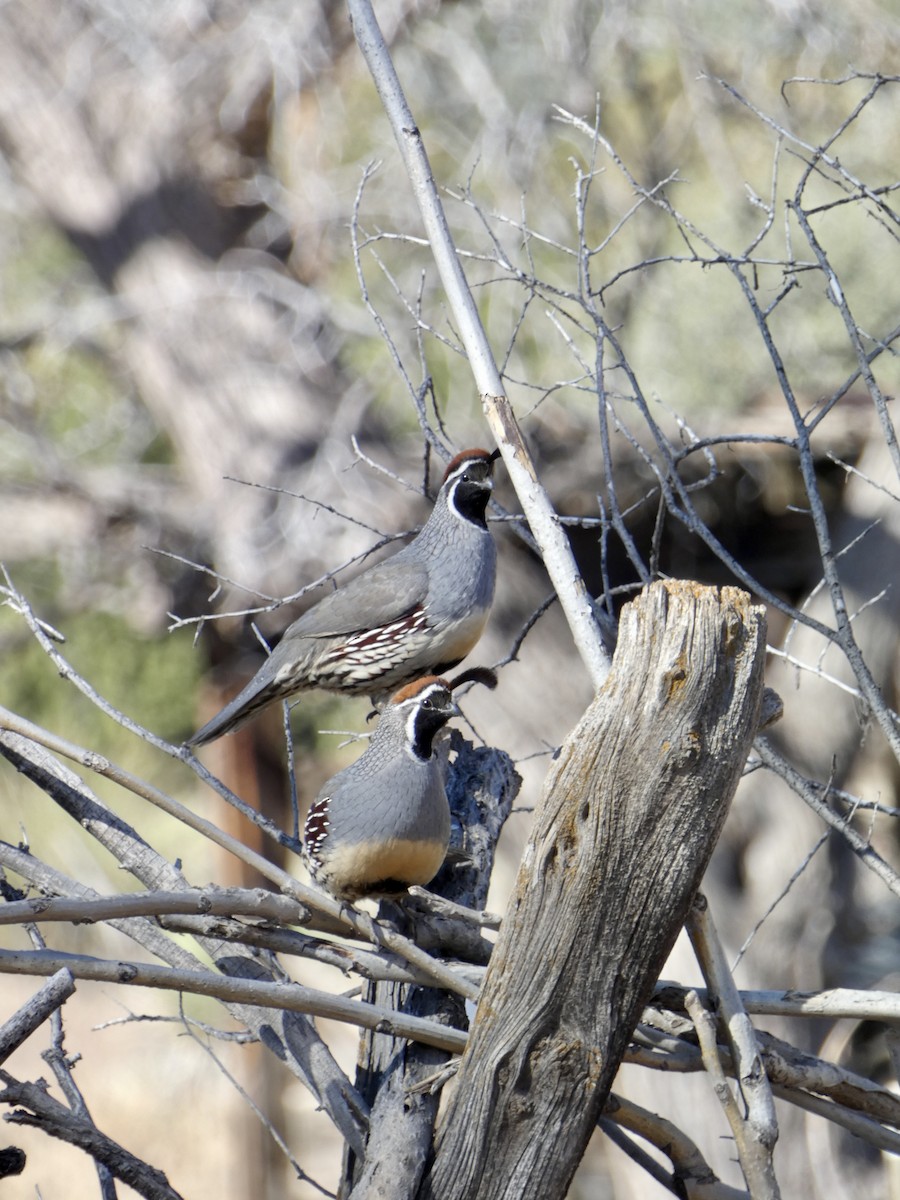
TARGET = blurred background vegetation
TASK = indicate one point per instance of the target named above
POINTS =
(180, 308)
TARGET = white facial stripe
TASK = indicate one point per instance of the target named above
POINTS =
(411, 731)
(487, 484)
(415, 703)
(464, 466)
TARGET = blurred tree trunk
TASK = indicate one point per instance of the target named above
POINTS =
(629, 817)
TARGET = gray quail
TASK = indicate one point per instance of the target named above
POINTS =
(420, 611)
(383, 823)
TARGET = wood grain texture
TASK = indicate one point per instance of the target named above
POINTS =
(630, 813)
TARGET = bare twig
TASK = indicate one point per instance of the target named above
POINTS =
(61, 1064)
(809, 793)
(192, 1032)
(291, 997)
(350, 959)
(862, 1126)
(834, 1003)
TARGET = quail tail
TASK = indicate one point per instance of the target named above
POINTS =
(255, 696)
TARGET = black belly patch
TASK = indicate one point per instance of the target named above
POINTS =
(387, 887)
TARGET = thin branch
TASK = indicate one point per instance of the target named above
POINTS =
(291, 997)
(62, 1066)
(209, 901)
(513, 652)
(758, 924)
(95, 761)
(35, 1107)
(349, 959)
(756, 1166)
(264, 1121)
(25, 1020)
(853, 334)
(691, 1170)
(638, 1154)
(18, 603)
(809, 793)
(832, 680)
(832, 1003)
(863, 1127)
(751, 1076)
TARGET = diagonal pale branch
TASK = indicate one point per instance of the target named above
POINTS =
(756, 1166)
(812, 795)
(759, 1127)
(863, 1126)
(544, 522)
(795, 1071)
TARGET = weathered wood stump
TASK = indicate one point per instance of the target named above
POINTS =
(629, 817)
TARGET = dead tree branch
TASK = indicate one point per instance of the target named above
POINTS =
(35, 1106)
(757, 1127)
(25, 1020)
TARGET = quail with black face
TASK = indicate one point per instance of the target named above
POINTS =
(418, 612)
(383, 823)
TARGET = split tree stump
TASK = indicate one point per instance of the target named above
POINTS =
(629, 817)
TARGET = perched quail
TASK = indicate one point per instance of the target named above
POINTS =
(383, 823)
(420, 611)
